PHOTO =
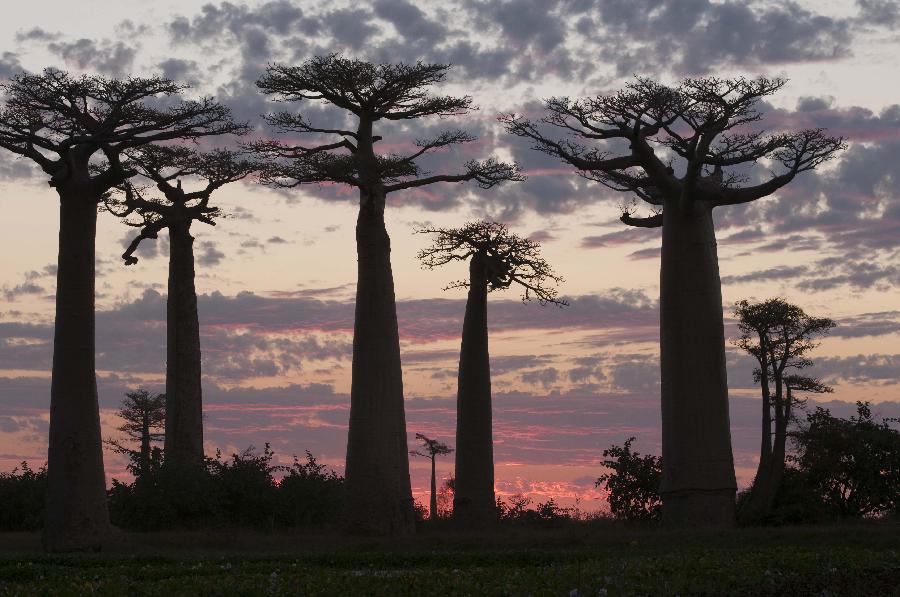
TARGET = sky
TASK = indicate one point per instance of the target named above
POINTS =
(276, 278)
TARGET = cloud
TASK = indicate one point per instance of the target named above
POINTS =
(208, 253)
(110, 58)
(703, 36)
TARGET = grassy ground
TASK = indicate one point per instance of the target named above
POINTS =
(592, 560)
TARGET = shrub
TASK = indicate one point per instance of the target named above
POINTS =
(633, 484)
(239, 492)
(22, 495)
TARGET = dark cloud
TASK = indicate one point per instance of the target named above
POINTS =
(699, 36)
(37, 34)
(781, 272)
(881, 13)
(208, 253)
(181, 71)
(109, 58)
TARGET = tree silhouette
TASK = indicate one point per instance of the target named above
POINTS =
(66, 124)
(632, 483)
(144, 416)
(497, 259)
(175, 210)
(852, 464)
(433, 448)
(379, 499)
(705, 124)
(779, 335)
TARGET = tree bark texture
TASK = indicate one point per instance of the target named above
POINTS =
(698, 484)
(184, 399)
(378, 495)
(473, 498)
(76, 517)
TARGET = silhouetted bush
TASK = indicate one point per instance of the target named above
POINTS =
(546, 514)
(239, 492)
(22, 498)
(633, 484)
(852, 464)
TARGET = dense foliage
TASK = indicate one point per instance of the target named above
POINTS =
(22, 498)
(632, 483)
(852, 464)
(241, 491)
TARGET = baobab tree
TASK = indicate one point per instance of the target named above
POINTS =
(175, 211)
(630, 141)
(75, 129)
(378, 498)
(433, 448)
(779, 335)
(144, 416)
(497, 259)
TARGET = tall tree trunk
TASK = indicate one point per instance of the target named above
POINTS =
(378, 495)
(698, 483)
(77, 517)
(433, 511)
(782, 418)
(755, 506)
(473, 497)
(184, 400)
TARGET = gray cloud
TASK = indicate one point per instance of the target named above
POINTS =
(106, 57)
(698, 37)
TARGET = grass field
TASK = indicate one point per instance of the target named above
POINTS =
(595, 560)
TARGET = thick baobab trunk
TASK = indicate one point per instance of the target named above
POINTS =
(698, 483)
(433, 511)
(473, 497)
(77, 517)
(378, 495)
(184, 401)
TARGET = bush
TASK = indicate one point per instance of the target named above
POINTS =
(852, 465)
(22, 495)
(239, 492)
(633, 484)
(545, 514)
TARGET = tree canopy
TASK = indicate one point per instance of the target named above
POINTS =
(630, 140)
(511, 259)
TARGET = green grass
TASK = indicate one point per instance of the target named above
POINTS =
(603, 560)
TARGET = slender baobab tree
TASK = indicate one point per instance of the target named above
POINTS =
(497, 259)
(779, 335)
(433, 448)
(144, 416)
(75, 129)
(175, 211)
(378, 499)
(630, 141)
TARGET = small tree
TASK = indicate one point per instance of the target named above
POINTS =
(76, 129)
(780, 336)
(497, 259)
(633, 484)
(630, 141)
(433, 448)
(175, 211)
(379, 498)
(144, 416)
(854, 464)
